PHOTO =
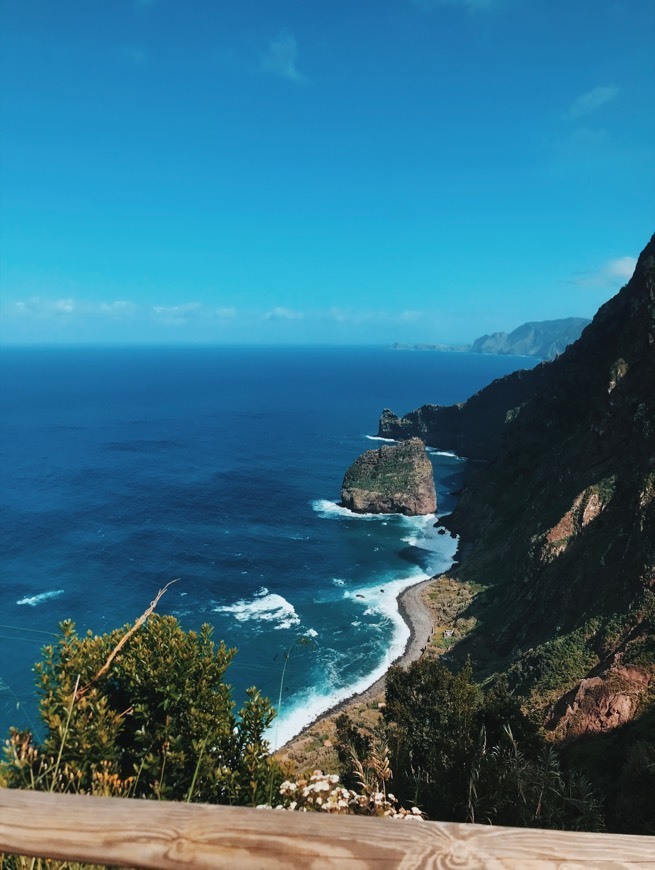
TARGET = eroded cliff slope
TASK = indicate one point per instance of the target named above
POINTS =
(562, 519)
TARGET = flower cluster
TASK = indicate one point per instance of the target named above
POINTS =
(323, 793)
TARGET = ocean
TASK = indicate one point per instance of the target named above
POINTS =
(122, 469)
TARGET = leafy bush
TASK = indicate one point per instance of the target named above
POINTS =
(461, 755)
(153, 720)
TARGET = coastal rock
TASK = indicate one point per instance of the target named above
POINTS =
(600, 703)
(474, 429)
(395, 478)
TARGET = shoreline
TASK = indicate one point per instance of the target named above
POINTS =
(418, 619)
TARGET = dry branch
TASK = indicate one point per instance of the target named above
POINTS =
(121, 643)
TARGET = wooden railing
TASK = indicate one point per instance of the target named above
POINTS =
(171, 835)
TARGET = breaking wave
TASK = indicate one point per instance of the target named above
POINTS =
(33, 600)
(265, 606)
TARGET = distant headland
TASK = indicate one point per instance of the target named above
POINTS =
(543, 339)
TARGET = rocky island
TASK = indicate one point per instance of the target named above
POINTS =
(396, 478)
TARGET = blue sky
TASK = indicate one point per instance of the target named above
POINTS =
(328, 171)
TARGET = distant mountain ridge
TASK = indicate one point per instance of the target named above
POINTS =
(544, 339)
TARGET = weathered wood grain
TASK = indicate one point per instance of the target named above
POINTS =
(172, 835)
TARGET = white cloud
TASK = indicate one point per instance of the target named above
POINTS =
(38, 307)
(621, 268)
(186, 308)
(613, 273)
(590, 101)
(280, 59)
(64, 306)
(117, 308)
(409, 316)
(225, 313)
(345, 315)
(280, 313)
(177, 315)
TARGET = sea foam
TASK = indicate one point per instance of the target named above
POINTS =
(332, 510)
(33, 600)
(265, 606)
(445, 453)
(317, 701)
(379, 599)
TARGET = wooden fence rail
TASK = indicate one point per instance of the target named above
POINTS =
(136, 833)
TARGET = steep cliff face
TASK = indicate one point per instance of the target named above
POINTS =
(562, 519)
(475, 428)
(393, 479)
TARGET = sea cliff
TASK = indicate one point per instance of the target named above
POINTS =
(561, 520)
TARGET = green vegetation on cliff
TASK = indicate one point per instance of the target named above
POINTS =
(393, 479)
(561, 524)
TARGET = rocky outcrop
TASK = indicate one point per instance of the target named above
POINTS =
(473, 429)
(394, 479)
(598, 704)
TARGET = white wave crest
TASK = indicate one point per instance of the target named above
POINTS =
(380, 438)
(452, 455)
(264, 607)
(338, 582)
(33, 600)
(304, 710)
(331, 510)
(376, 600)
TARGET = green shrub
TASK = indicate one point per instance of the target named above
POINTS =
(159, 722)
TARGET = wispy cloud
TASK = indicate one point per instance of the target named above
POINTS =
(36, 306)
(280, 313)
(613, 273)
(360, 317)
(225, 313)
(177, 315)
(589, 102)
(471, 5)
(280, 59)
(117, 309)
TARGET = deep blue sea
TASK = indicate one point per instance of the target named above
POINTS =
(122, 469)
